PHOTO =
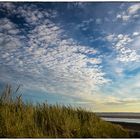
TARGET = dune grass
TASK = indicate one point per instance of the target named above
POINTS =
(25, 120)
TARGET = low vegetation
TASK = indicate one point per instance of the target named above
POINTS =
(25, 120)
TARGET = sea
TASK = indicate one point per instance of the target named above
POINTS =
(127, 120)
(120, 117)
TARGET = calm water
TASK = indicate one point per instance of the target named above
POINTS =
(121, 120)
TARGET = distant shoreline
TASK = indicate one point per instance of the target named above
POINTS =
(119, 115)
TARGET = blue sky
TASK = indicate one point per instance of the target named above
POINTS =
(83, 54)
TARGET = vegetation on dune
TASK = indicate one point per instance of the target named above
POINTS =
(24, 120)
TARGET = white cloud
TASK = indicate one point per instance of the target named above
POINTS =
(120, 36)
(7, 6)
(125, 53)
(84, 25)
(123, 47)
(81, 5)
(55, 63)
(136, 16)
(128, 55)
(120, 101)
(68, 58)
(9, 41)
(129, 86)
(110, 37)
(98, 20)
(8, 27)
(125, 17)
(130, 13)
(119, 16)
(133, 8)
(135, 33)
(119, 71)
(50, 61)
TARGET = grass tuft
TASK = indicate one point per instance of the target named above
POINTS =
(24, 120)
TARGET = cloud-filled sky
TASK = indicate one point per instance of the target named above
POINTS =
(82, 54)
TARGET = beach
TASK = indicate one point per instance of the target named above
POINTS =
(129, 121)
(133, 128)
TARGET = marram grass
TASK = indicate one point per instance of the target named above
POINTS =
(24, 120)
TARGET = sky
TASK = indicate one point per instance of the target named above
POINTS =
(73, 53)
